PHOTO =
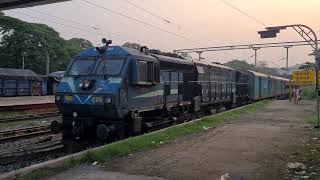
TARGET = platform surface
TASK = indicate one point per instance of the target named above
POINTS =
(25, 100)
(254, 146)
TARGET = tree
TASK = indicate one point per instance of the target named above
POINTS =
(35, 42)
(307, 66)
(132, 45)
(243, 65)
(152, 51)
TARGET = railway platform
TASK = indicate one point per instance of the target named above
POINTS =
(25, 100)
(256, 145)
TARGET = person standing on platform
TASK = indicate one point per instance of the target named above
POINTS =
(298, 91)
(294, 94)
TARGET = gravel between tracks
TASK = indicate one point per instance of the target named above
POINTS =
(27, 123)
(22, 144)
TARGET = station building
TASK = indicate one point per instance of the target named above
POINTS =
(20, 82)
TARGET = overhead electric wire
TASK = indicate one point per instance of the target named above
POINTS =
(278, 60)
(243, 12)
(62, 18)
(65, 19)
(91, 31)
(55, 22)
(152, 13)
(140, 21)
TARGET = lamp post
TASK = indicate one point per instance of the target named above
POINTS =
(310, 37)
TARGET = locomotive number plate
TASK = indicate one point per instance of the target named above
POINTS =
(97, 100)
(68, 98)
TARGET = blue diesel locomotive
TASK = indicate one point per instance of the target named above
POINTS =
(114, 92)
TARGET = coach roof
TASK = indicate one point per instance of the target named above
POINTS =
(25, 74)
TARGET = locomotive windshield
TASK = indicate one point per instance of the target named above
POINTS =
(110, 66)
(82, 66)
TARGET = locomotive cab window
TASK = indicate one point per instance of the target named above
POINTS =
(82, 65)
(111, 66)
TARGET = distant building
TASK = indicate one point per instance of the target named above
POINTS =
(20, 82)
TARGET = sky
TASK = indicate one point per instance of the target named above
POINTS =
(194, 23)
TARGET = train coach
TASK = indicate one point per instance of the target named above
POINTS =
(263, 86)
(114, 92)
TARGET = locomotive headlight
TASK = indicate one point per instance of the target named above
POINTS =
(81, 84)
(58, 98)
(108, 100)
(86, 83)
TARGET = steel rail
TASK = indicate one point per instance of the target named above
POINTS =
(27, 107)
(15, 134)
(29, 117)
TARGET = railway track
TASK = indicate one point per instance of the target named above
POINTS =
(27, 107)
(19, 154)
(15, 134)
(30, 117)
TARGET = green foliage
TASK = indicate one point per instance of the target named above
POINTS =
(312, 119)
(34, 42)
(132, 45)
(243, 65)
(152, 51)
(308, 93)
(157, 51)
(307, 66)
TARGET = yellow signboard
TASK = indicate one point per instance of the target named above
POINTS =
(304, 77)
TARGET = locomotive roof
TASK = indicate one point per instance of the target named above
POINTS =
(136, 52)
(188, 61)
(117, 51)
(173, 59)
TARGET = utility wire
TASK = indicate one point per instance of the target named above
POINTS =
(65, 19)
(55, 22)
(140, 21)
(66, 25)
(152, 13)
(243, 12)
(278, 60)
(147, 11)
(104, 34)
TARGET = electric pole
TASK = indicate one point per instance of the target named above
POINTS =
(199, 52)
(47, 64)
(23, 58)
(287, 57)
(255, 55)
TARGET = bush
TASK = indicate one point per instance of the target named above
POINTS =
(308, 93)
